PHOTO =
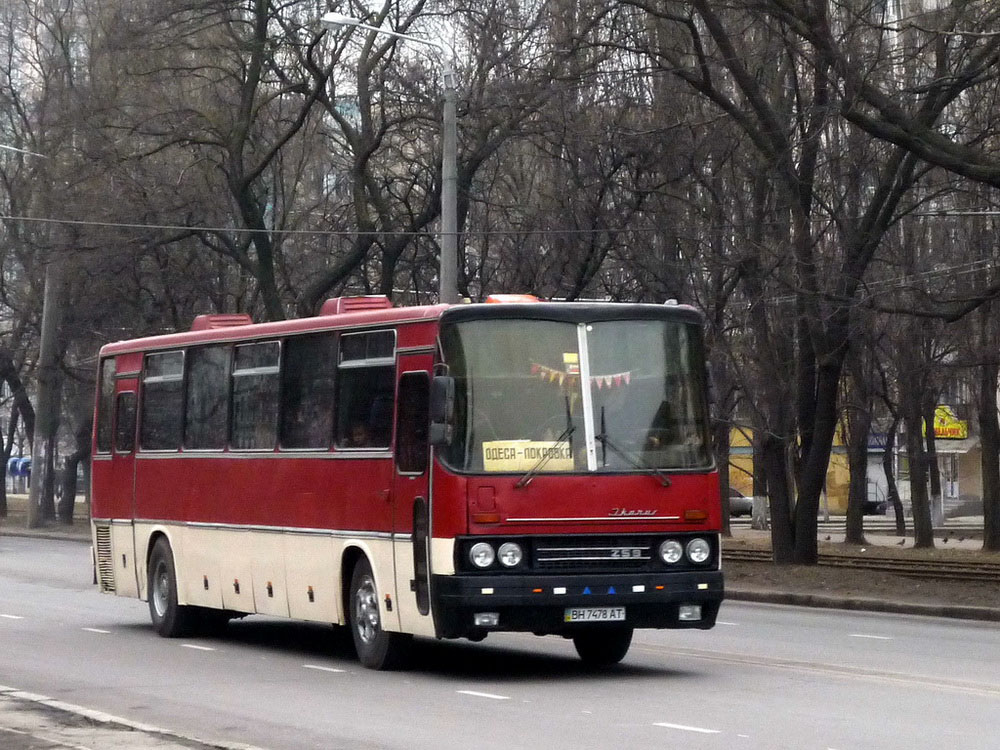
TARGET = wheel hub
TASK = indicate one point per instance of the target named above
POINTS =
(366, 610)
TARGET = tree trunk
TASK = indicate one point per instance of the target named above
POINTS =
(67, 500)
(989, 432)
(888, 466)
(20, 408)
(859, 422)
(8, 447)
(933, 469)
(817, 462)
(775, 452)
(923, 530)
(720, 443)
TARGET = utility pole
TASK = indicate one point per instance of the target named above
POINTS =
(448, 270)
(47, 408)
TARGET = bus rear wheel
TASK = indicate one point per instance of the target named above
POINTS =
(170, 619)
(602, 648)
(376, 648)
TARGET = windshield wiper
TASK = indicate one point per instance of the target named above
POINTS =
(565, 436)
(636, 462)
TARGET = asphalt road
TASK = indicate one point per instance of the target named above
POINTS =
(767, 677)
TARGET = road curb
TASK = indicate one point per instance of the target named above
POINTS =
(960, 612)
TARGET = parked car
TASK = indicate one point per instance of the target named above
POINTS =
(739, 504)
(875, 507)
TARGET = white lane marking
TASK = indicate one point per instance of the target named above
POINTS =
(12, 617)
(684, 728)
(321, 669)
(96, 630)
(484, 695)
(197, 648)
(871, 637)
(723, 622)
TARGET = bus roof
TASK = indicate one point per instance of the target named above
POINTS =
(237, 328)
(360, 319)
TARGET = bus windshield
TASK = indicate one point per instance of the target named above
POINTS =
(545, 396)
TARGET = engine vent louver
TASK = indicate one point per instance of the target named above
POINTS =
(105, 563)
(221, 320)
(339, 305)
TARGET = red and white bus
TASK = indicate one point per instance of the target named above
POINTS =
(440, 471)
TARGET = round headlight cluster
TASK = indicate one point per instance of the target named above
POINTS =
(510, 554)
(698, 551)
(482, 554)
(671, 551)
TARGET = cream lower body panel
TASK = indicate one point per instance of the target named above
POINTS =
(278, 572)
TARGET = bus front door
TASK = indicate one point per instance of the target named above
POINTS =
(411, 507)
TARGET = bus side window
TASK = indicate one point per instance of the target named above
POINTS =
(255, 396)
(105, 402)
(206, 420)
(161, 426)
(411, 423)
(366, 390)
(125, 423)
(307, 383)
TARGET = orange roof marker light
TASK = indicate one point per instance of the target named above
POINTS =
(501, 298)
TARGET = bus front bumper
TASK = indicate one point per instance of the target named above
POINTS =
(467, 605)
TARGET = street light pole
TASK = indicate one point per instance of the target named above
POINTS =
(448, 271)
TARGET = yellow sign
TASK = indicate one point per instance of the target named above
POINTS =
(571, 361)
(522, 455)
(947, 427)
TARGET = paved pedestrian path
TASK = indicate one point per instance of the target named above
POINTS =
(36, 722)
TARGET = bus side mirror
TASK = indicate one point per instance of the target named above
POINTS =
(442, 409)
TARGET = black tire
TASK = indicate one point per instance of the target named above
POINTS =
(603, 647)
(170, 619)
(376, 648)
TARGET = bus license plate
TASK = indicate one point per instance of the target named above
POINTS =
(594, 614)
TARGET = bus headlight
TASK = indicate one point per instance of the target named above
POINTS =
(481, 555)
(510, 554)
(698, 550)
(671, 551)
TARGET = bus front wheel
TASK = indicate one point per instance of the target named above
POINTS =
(170, 619)
(376, 648)
(602, 648)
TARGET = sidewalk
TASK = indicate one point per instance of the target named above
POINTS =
(16, 522)
(36, 722)
(863, 589)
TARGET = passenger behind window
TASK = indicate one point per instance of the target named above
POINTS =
(358, 436)
(663, 431)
